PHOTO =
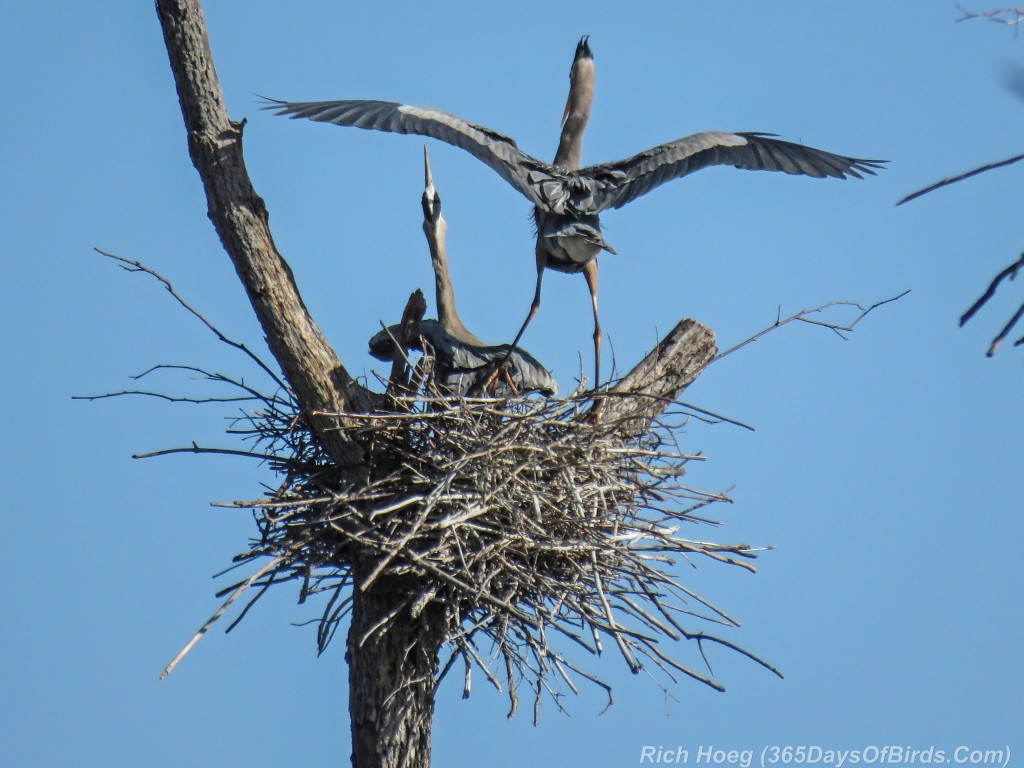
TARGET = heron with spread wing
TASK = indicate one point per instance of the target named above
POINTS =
(568, 199)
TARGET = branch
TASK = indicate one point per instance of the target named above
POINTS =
(1006, 330)
(168, 398)
(1011, 16)
(198, 449)
(802, 316)
(217, 614)
(961, 177)
(1011, 273)
(251, 394)
(319, 380)
(130, 265)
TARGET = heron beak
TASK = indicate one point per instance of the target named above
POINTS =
(583, 49)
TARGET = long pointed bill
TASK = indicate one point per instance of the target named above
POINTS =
(428, 180)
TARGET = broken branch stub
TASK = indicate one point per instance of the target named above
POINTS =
(655, 382)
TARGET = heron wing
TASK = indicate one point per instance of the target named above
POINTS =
(530, 176)
(461, 366)
(612, 185)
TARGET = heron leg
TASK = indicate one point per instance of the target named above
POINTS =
(501, 370)
(542, 262)
(489, 383)
(508, 380)
(590, 273)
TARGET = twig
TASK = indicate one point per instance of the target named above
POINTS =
(164, 396)
(802, 316)
(1010, 16)
(197, 449)
(961, 177)
(1009, 273)
(130, 265)
(1005, 332)
(217, 614)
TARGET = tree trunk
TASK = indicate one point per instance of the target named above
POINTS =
(392, 675)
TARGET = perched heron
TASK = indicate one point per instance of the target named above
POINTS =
(568, 199)
(462, 362)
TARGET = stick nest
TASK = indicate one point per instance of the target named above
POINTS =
(518, 516)
(522, 518)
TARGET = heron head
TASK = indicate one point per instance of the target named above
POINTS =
(581, 80)
(431, 200)
(583, 49)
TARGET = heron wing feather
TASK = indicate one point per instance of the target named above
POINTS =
(499, 152)
(615, 184)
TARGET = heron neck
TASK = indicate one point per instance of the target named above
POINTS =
(447, 314)
(581, 97)
(570, 145)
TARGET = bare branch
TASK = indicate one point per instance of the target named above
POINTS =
(164, 396)
(197, 449)
(961, 177)
(1014, 319)
(219, 612)
(1009, 273)
(130, 265)
(1009, 16)
(804, 316)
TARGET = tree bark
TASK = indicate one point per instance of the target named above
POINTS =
(647, 390)
(392, 675)
(319, 380)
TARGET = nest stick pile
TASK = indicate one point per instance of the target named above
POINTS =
(528, 524)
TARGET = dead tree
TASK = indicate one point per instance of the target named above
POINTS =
(432, 524)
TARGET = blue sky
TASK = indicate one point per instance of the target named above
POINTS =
(885, 469)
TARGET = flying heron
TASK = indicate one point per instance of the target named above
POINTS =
(463, 364)
(568, 199)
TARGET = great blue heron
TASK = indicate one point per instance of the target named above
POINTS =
(568, 199)
(462, 362)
